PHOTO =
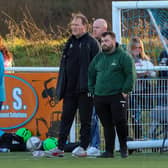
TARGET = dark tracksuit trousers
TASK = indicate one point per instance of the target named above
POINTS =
(112, 111)
(70, 106)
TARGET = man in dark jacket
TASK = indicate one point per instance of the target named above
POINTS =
(111, 78)
(78, 53)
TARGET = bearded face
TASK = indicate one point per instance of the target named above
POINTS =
(108, 44)
(107, 48)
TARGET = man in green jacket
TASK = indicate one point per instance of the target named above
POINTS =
(111, 78)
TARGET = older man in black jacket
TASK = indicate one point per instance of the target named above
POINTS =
(77, 55)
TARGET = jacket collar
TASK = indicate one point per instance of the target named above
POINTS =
(81, 37)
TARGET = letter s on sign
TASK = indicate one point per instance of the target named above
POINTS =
(17, 104)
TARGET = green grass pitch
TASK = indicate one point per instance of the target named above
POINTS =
(136, 160)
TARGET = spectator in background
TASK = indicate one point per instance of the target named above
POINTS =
(163, 58)
(111, 78)
(162, 84)
(163, 61)
(99, 27)
(8, 57)
(159, 114)
(79, 50)
(139, 99)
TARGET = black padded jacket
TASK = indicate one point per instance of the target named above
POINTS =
(77, 55)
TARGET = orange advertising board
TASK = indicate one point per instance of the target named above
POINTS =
(30, 103)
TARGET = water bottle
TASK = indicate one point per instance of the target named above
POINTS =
(4, 150)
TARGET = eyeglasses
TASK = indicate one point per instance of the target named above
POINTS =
(134, 47)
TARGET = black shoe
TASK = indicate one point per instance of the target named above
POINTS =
(106, 155)
(124, 153)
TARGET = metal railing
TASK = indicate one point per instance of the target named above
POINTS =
(148, 109)
(148, 106)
